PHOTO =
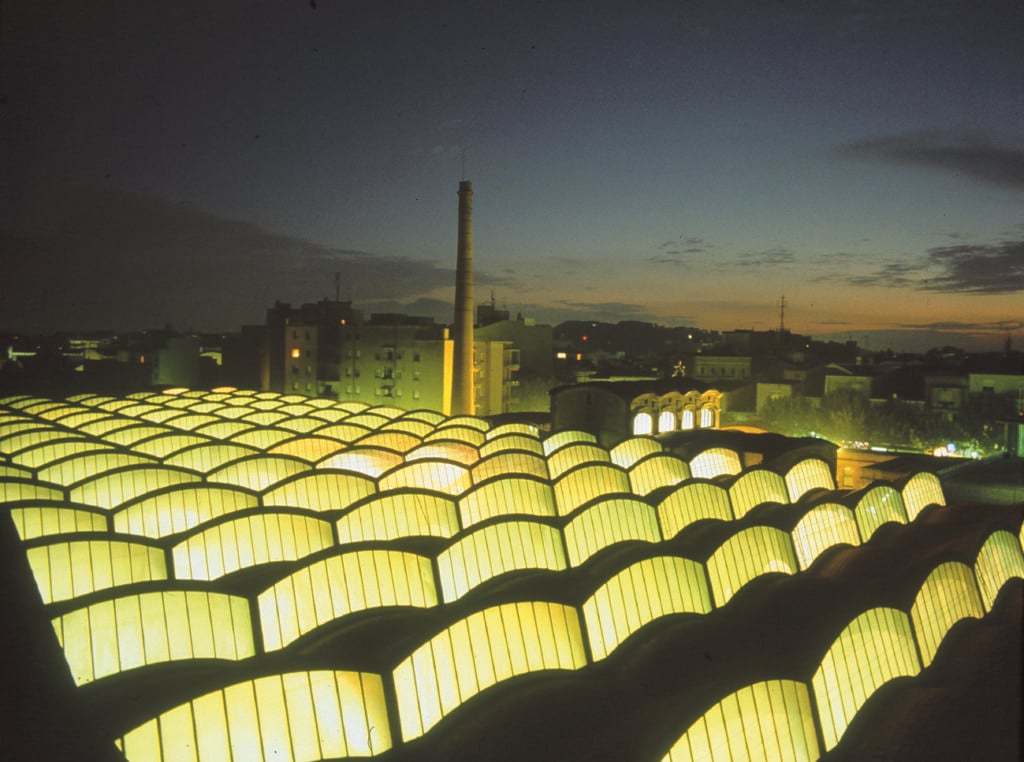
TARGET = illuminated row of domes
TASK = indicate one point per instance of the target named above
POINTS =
(140, 571)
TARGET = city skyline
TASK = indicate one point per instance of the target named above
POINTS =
(678, 164)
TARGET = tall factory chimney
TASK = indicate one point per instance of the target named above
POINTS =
(462, 372)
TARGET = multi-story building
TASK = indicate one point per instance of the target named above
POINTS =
(495, 377)
(304, 346)
(328, 350)
(718, 368)
(397, 360)
(534, 342)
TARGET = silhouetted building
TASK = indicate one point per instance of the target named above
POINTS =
(615, 410)
(304, 347)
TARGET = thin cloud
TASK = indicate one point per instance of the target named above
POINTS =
(975, 156)
(776, 256)
(952, 325)
(995, 268)
(891, 275)
(120, 260)
(978, 269)
(624, 308)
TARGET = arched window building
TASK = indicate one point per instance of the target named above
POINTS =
(615, 410)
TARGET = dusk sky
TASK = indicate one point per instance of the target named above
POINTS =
(684, 163)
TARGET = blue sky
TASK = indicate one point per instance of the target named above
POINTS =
(678, 162)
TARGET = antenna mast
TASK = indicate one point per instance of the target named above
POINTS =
(782, 315)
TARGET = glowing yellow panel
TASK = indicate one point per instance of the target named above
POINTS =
(878, 505)
(874, 648)
(180, 509)
(572, 455)
(42, 455)
(162, 445)
(248, 541)
(498, 549)
(456, 452)
(999, 559)
(498, 639)
(464, 421)
(79, 467)
(607, 522)
(639, 594)
(807, 475)
(922, 490)
(211, 731)
(258, 472)
(176, 725)
(42, 521)
(631, 451)
(512, 429)
(756, 487)
(143, 743)
(13, 490)
(508, 442)
(562, 438)
(418, 429)
(207, 457)
(400, 514)
(747, 724)
(66, 570)
(135, 630)
(259, 437)
(243, 721)
(370, 419)
(308, 448)
(748, 554)
(274, 729)
(371, 461)
(373, 578)
(506, 496)
(655, 471)
(949, 594)
(715, 461)
(396, 441)
(111, 490)
(321, 491)
(587, 482)
(435, 475)
(822, 527)
(323, 688)
(692, 502)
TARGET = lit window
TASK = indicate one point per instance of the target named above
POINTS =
(561, 356)
(296, 352)
(579, 356)
(642, 424)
